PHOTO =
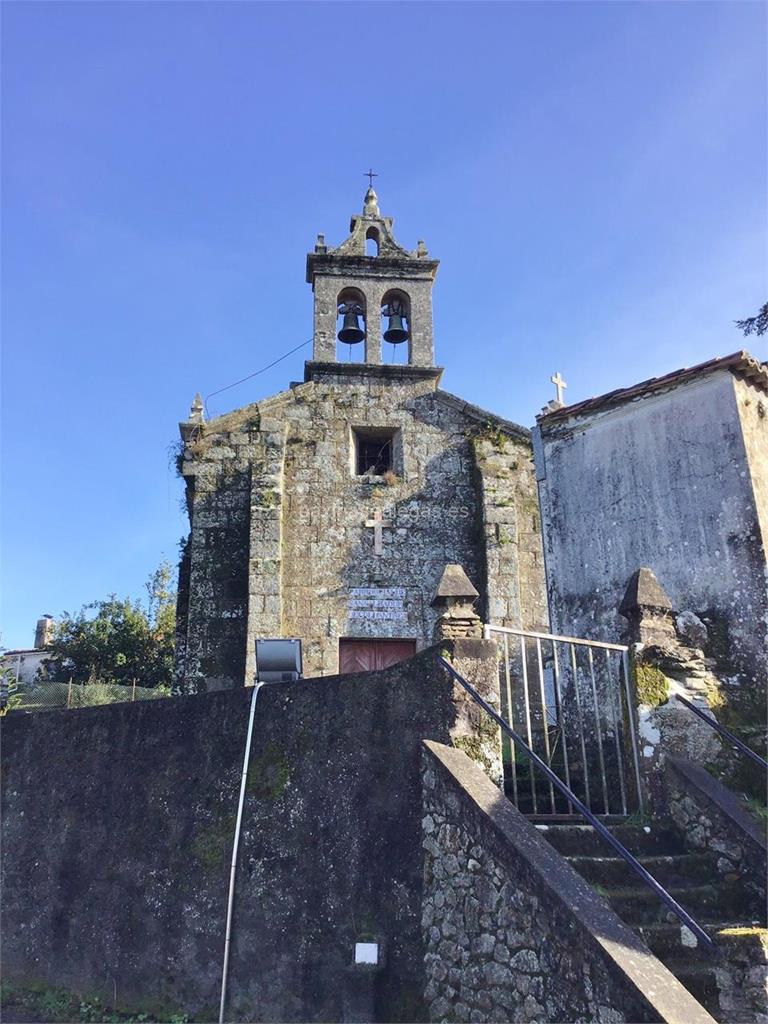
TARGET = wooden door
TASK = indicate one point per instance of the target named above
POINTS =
(369, 655)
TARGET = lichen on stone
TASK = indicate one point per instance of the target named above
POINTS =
(652, 685)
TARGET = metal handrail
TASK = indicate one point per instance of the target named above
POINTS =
(601, 830)
(553, 636)
(724, 732)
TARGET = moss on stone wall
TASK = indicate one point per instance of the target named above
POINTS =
(268, 775)
(652, 685)
(210, 845)
(473, 748)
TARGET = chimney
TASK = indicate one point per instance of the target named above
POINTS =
(44, 631)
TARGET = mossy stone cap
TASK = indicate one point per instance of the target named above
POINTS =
(644, 591)
(454, 584)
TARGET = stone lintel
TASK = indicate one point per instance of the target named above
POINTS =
(385, 371)
(331, 265)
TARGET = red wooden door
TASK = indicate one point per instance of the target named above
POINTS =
(369, 655)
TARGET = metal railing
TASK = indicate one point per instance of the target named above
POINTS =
(567, 693)
(574, 801)
(725, 733)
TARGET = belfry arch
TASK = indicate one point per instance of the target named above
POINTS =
(396, 327)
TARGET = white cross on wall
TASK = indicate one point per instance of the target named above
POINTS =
(560, 384)
(378, 524)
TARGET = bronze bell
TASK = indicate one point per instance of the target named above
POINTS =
(350, 330)
(396, 332)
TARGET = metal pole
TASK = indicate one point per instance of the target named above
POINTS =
(235, 847)
(69, 692)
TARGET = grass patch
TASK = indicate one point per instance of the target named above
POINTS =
(55, 1005)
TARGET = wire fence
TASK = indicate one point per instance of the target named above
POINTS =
(54, 696)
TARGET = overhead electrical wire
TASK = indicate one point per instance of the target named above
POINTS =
(255, 373)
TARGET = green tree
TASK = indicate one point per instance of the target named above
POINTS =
(14, 697)
(755, 324)
(119, 640)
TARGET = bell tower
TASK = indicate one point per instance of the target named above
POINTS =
(370, 290)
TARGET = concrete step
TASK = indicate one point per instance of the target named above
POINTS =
(640, 840)
(675, 869)
(665, 940)
(640, 905)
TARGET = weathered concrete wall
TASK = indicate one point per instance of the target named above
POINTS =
(117, 844)
(753, 414)
(663, 481)
(279, 541)
(512, 932)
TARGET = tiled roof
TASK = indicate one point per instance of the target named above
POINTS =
(742, 364)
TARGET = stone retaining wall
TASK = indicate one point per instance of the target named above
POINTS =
(713, 819)
(742, 975)
(512, 933)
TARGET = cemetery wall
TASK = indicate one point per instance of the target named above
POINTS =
(674, 480)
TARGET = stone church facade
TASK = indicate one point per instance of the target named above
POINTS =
(330, 511)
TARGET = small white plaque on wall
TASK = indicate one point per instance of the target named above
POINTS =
(366, 952)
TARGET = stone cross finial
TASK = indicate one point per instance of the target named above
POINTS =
(560, 386)
(378, 524)
(196, 411)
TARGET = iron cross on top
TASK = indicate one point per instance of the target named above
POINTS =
(370, 175)
(378, 525)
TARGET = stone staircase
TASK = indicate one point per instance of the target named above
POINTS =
(691, 877)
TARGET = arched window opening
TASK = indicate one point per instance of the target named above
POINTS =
(372, 242)
(350, 326)
(396, 328)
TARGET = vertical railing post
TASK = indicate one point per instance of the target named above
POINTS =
(598, 730)
(629, 690)
(615, 698)
(512, 749)
(561, 718)
(544, 723)
(524, 662)
(580, 717)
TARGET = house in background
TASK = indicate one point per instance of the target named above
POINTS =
(25, 662)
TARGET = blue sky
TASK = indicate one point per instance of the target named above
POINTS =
(592, 177)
